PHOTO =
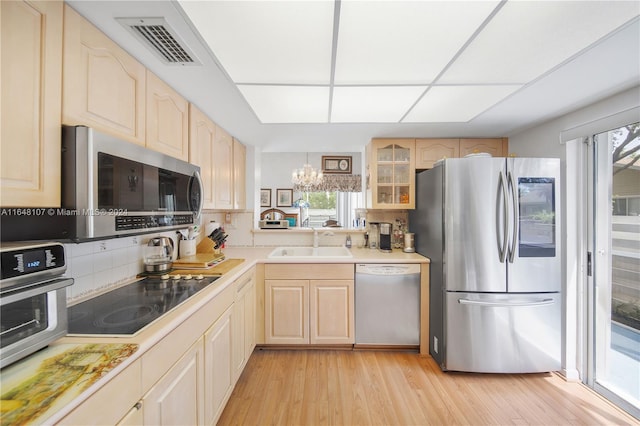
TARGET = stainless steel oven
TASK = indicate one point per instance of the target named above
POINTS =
(33, 299)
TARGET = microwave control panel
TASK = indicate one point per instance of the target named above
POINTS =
(125, 223)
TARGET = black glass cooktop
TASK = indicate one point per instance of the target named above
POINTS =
(126, 310)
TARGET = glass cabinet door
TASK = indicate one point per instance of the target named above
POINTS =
(394, 174)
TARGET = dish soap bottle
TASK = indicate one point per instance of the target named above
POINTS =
(348, 242)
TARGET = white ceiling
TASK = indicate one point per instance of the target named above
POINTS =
(328, 76)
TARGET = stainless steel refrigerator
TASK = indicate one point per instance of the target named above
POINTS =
(491, 227)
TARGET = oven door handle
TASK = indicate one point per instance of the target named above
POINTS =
(24, 292)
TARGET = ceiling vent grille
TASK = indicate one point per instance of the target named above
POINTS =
(163, 41)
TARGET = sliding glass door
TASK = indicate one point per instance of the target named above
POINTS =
(614, 266)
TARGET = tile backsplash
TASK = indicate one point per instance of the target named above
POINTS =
(97, 266)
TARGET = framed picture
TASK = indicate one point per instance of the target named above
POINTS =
(336, 164)
(265, 197)
(284, 197)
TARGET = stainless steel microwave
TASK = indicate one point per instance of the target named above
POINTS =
(111, 188)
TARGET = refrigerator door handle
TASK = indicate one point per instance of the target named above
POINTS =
(502, 304)
(502, 249)
(516, 217)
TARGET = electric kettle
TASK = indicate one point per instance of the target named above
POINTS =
(158, 254)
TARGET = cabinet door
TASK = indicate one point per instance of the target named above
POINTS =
(239, 181)
(250, 320)
(243, 322)
(223, 169)
(167, 119)
(496, 147)
(177, 397)
(392, 174)
(31, 86)
(331, 312)
(201, 148)
(428, 151)
(218, 367)
(103, 86)
(286, 312)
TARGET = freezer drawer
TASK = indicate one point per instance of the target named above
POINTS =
(502, 333)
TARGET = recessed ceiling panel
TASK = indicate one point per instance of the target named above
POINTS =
(528, 38)
(444, 104)
(372, 104)
(403, 42)
(276, 42)
(288, 104)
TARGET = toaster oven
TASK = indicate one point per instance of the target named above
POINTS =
(33, 298)
(273, 224)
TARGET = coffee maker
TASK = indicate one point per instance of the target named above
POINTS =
(385, 237)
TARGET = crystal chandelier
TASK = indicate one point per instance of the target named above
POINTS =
(306, 177)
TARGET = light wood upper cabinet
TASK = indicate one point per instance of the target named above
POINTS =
(202, 133)
(222, 161)
(223, 169)
(428, 151)
(239, 180)
(31, 85)
(391, 174)
(167, 119)
(103, 86)
(497, 147)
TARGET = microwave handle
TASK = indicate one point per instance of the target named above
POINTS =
(198, 210)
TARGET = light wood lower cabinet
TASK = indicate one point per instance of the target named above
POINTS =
(244, 308)
(178, 397)
(31, 88)
(218, 367)
(317, 311)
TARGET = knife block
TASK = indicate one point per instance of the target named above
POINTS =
(207, 246)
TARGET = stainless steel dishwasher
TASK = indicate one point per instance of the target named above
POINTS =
(387, 299)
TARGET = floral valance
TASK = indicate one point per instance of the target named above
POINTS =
(335, 182)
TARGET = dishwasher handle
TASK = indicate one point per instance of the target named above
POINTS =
(388, 268)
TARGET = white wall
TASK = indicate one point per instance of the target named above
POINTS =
(544, 141)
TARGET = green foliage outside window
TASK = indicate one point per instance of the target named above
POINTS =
(321, 200)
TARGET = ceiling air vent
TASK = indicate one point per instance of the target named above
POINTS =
(163, 41)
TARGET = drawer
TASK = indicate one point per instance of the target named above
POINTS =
(309, 271)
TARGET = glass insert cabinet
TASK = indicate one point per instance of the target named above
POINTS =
(391, 174)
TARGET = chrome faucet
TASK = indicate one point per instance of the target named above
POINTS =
(316, 238)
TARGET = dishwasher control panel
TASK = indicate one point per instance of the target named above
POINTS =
(388, 268)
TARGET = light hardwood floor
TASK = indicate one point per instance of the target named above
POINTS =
(316, 387)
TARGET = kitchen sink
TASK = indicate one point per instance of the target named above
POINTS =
(310, 252)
